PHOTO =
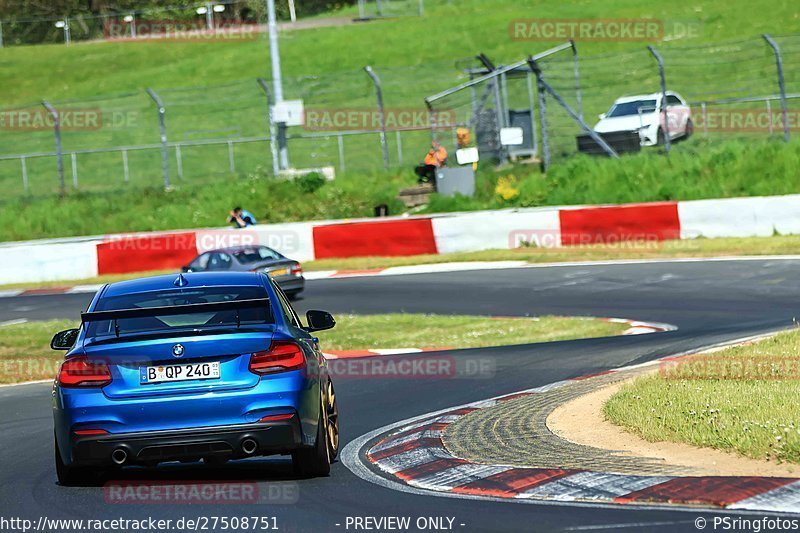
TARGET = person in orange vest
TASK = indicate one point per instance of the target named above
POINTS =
(434, 159)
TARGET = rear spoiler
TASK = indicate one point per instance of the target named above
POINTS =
(173, 310)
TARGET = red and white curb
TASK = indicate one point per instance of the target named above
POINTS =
(412, 458)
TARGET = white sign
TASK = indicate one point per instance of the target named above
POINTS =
(511, 136)
(290, 112)
(466, 156)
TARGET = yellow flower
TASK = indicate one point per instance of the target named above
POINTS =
(506, 187)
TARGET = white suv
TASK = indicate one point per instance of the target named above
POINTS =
(644, 113)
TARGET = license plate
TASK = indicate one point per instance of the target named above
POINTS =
(170, 373)
(279, 272)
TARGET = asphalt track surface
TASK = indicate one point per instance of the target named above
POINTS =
(711, 302)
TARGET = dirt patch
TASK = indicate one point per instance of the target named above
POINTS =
(582, 421)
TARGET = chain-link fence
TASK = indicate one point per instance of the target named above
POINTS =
(742, 88)
(216, 131)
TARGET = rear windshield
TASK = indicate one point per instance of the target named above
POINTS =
(190, 321)
(254, 255)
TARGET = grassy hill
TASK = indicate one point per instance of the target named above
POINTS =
(210, 93)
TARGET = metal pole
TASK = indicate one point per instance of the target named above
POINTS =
(381, 114)
(361, 13)
(769, 114)
(379, 7)
(543, 122)
(67, 33)
(532, 104)
(209, 16)
(231, 160)
(163, 127)
(74, 170)
(24, 174)
(498, 104)
(421, 8)
(340, 141)
(125, 170)
(59, 155)
(399, 148)
(179, 160)
(277, 82)
(272, 146)
(660, 60)
(1, 34)
(705, 119)
(292, 12)
(577, 79)
(781, 84)
(133, 25)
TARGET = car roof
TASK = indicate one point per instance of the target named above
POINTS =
(194, 279)
(651, 96)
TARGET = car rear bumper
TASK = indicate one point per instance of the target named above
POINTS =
(291, 283)
(230, 442)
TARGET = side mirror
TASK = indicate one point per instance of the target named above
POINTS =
(601, 116)
(319, 321)
(186, 269)
(64, 340)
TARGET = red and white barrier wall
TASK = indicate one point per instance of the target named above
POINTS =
(69, 259)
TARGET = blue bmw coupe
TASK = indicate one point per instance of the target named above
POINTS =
(202, 366)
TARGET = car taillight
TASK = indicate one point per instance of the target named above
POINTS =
(90, 432)
(282, 356)
(297, 270)
(80, 372)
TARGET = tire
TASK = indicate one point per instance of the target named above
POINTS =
(316, 460)
(70, 476)
(660, 138)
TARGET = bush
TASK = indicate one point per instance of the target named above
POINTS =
(310, 182)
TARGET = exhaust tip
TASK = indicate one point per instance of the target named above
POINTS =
(249, 446)
(120, 456)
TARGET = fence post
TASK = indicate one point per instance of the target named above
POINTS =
(340, 142)
(231, 160)
(162, 125)
(179, 160)
(532, 105)
(125, 170)
(74, 158)
(705, 119)
(399, 148)
(781, 84)
(578, 97)
(660, 61)
(24, 174)
(381, 114)
(1, 34)
(59, 155)
(769, 114)
(272, 146)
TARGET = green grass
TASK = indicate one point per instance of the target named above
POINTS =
(25, 353)
(723, 247)
(743, 399)
(694, 171)
(113, 76)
